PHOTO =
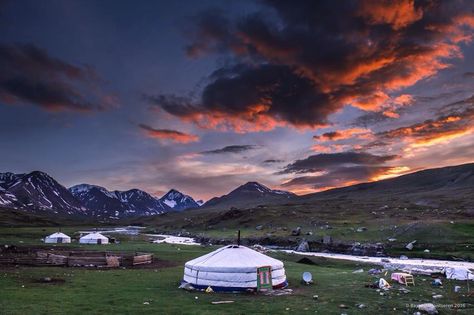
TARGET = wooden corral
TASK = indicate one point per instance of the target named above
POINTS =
(44, 257)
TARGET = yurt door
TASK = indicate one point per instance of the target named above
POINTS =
(99, 241)
(59, 240)
(264, 278)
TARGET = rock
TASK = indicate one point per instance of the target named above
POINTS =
(315, 297)
(358, 271)
(296, 232)
(361, 306)
(410, 245)
(309, 233)
(426, 251)
(417, 313)
(361, 229)
(385, 260)
(259, 227)
(428, 308)
(392, 239)
(146, 303)
(343, 306)
(46, 279)
(437, 296)
(457, 288)
(303, 246)
(403, 257)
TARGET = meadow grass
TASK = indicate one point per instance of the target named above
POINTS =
(155, 291)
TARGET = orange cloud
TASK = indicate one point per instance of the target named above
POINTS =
(313, 59)
(360, 133)
(397, 13)
(167, 134)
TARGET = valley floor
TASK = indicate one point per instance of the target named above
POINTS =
(155, 290)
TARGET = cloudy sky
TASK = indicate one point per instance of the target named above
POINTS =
(203, 96)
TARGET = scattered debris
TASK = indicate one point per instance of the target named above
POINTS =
(437, 282)
(427, 308)
(404, 290)
(278, 292)
(374, 271)
(222, 302)
(209, 290)
(383, 284)
(187, 286)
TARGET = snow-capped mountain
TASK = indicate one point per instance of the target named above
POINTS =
(117, 204)
(249, 195)
(178, 201)
(37, 192)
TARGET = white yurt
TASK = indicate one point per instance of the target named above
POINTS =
(57, 237)
(232, 268)
(94, 238)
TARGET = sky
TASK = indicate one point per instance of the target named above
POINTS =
(203, 96)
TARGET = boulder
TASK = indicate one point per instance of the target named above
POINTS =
(303, 246)
(410, 245)
(259, 227)
(296, 232)
(428, 308)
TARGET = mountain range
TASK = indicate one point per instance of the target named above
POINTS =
(39, 193)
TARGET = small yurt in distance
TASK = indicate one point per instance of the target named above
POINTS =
(234, 268)
(94, 238)
(57, 237)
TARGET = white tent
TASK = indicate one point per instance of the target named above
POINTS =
(232, 268)
(57, 237)
(459, 273)
(94, 238)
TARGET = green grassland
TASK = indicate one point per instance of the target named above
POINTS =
(155, 291)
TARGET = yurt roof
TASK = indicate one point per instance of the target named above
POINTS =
(94, 235)
(233, 258)
(58, 235)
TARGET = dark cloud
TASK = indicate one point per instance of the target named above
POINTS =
(468, 74)
(341, 176)
(232, 149)
(298, 62)
(168, 134)
(324, 161)
(29, 75)
(271, 161)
